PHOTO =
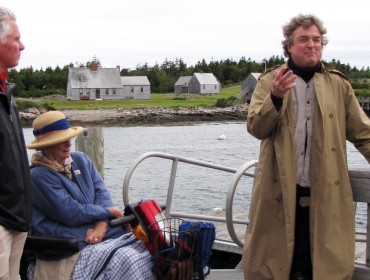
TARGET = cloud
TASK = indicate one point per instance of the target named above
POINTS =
(128, 33)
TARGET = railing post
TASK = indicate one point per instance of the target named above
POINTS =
(91, 142)
(171, 187)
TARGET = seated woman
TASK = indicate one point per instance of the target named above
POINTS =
(70, 200)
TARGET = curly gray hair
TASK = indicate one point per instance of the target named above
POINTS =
(5, 16)
(305, 21)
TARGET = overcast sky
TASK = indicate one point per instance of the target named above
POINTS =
(128, 33)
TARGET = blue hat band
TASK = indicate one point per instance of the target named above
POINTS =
(58, 125)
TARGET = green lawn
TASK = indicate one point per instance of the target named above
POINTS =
(157, 100)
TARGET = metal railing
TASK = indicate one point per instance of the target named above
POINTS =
(230, 222)
(360, 182)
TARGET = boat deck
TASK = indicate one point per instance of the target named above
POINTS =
(222, 274)
(223, 235)
(231, 228)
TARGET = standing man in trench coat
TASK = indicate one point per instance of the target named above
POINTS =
(302, 214)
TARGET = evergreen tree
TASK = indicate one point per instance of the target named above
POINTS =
(41, 82)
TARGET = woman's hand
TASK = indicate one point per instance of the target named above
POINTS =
(95, 235)
(116, 212)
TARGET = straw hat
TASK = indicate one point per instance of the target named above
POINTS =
(52, 128)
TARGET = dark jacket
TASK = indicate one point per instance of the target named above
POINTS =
(15, 200)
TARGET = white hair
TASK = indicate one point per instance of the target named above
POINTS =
(5, 16)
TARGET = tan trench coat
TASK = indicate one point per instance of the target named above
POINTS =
(269, 243)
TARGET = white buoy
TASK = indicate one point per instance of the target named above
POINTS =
(221, 137)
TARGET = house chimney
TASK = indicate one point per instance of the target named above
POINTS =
(93, 66)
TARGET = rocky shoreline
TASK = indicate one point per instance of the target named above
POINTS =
(144, 116)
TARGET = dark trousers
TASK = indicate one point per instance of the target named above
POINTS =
(302, 253)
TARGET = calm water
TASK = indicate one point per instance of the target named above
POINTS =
(197, 188)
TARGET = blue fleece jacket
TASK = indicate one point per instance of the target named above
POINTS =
(68, 208)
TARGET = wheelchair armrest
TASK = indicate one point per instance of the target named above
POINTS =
(121, 221)
(42, 244)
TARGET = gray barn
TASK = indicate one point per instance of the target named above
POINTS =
(182, 84)
(248, 85)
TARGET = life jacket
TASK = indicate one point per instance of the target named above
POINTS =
(149, 224)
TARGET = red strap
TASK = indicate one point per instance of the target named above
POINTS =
(3, 75)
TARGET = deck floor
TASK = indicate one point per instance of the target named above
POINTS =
(221, 228)
(225, 274)
(240, 230)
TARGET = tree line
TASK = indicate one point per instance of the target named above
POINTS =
(42, 82)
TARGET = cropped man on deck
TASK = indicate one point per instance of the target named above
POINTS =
(15, 201)
(302, 214)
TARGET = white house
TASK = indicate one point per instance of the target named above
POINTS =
(93, 82)
(204, 83)
(136, 87)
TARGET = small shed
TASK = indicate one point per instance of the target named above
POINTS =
(136, 87)
(248, 85)
(182, 84)
(204, 83)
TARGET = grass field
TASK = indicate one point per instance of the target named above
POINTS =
(157, 100)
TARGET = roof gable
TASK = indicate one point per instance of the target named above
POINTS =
(101, 78)
(206, 78)
(256, 75)
(183, 81)
(135, 81)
